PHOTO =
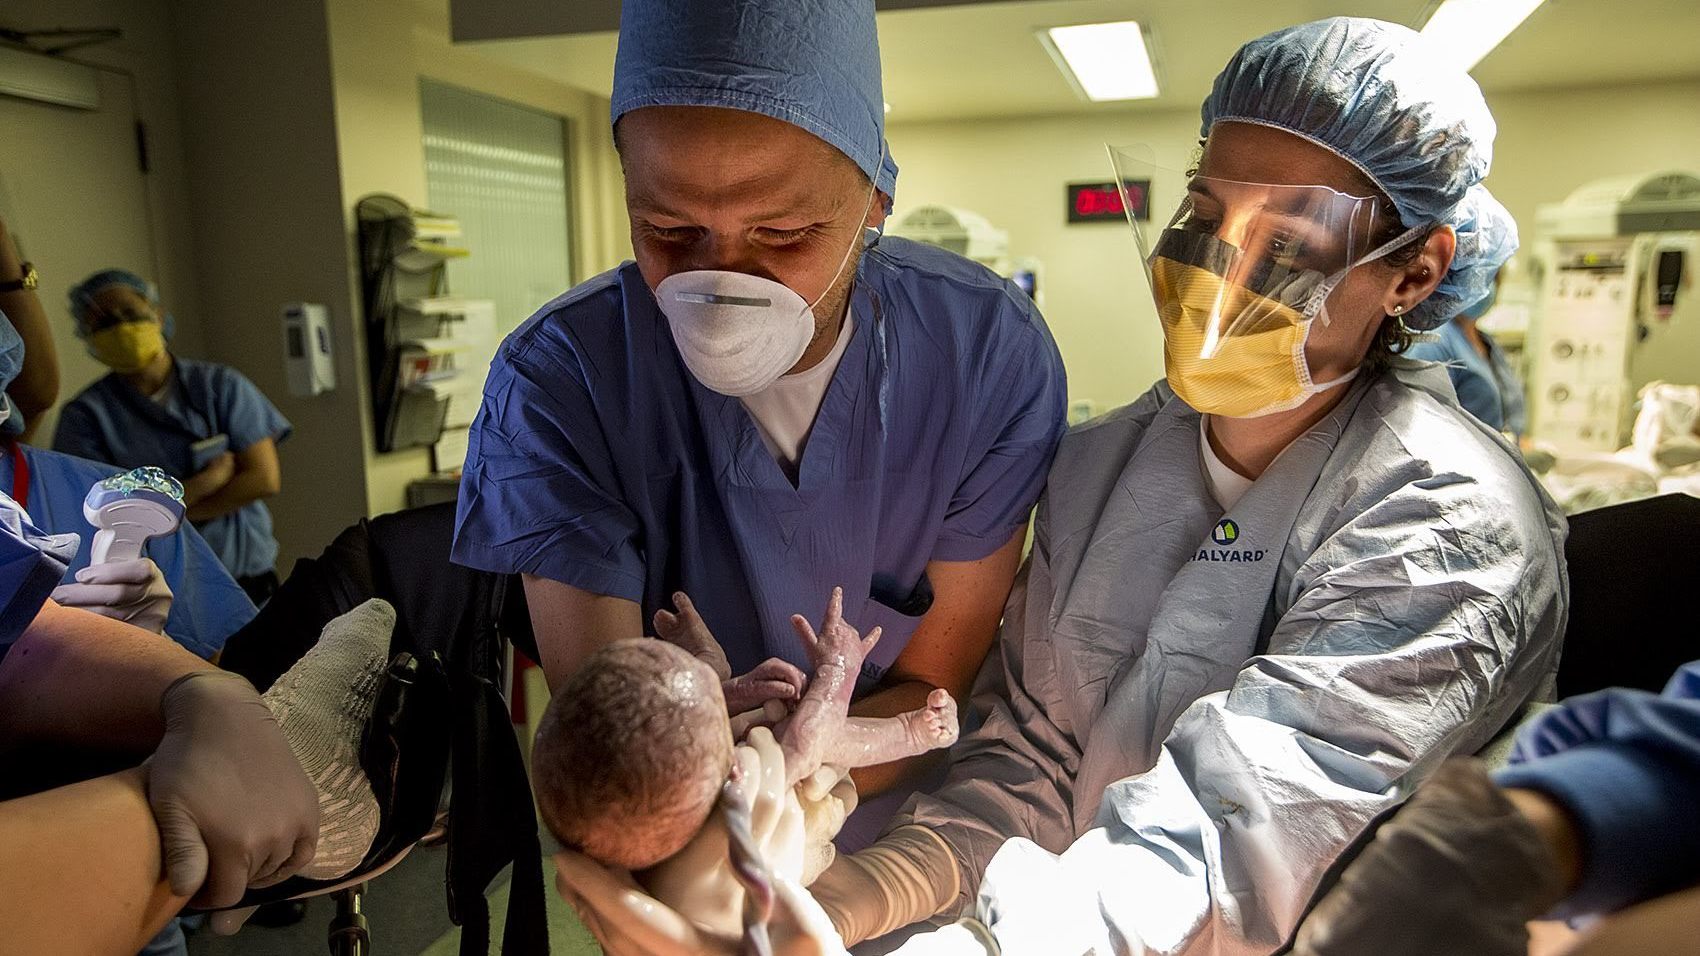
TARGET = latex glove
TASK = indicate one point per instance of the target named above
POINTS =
(908, 876)
(827, 800)
(1457, 870)
(134, 592)
(699, 880)
(234, 807)
(773, 679)
(967, 937)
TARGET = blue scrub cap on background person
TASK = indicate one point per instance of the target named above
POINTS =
(11, 363)
(812, 63)
(1487, 238)
(82, 295)
(1418, 127)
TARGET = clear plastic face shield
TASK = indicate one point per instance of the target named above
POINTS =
(1240, 274)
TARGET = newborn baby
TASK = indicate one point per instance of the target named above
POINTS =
(632, 753)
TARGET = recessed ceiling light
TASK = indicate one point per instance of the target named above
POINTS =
(1465, 31)
(1104, 61)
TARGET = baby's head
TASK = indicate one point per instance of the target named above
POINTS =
(631, 754)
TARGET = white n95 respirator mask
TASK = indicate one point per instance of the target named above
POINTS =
(736, 332)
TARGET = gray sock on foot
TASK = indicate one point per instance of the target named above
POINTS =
(323, 705)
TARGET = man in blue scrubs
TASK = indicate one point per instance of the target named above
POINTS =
(767, 404)
(205, 424)
(179, 586)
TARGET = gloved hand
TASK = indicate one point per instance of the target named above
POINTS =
(827, 798)
(699, 880)
(909, 875)
(130, 591)
(1457, 870)
(234, 807)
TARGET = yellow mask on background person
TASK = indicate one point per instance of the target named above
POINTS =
(1256, 368)
(128, 346)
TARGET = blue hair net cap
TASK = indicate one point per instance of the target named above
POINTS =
(82, 295)
(812, 63)
(1371, 92)
(11, 363)
(1487, 237)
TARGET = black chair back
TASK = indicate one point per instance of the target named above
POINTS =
(1632, 568)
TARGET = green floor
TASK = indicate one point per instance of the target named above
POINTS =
(408, 916)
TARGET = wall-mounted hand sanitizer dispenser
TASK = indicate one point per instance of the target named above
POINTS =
(307, 349)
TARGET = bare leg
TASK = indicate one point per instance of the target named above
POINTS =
(82, 869)
(871, 741)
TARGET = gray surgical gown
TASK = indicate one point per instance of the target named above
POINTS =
(1189, 714)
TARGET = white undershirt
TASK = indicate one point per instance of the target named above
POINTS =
(785, 411)
(1226, 485)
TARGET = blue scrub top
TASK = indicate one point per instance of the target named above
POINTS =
(1625, 765)
(207, 604)
(597, 459)
(31, 564)
(111, 422)
(1488, 388)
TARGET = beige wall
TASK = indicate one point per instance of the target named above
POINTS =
(267, 211)
(293, 112)
(1096, 299)
(67, 235)
(379, 51)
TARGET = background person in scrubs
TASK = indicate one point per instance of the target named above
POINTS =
(884, 424)
(36, 387)
(205, 424)
(1487, 385)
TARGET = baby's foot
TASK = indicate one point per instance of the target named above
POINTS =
(934, 726)
(871, 741)
(323, 705)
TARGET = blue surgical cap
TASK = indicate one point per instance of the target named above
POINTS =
(1417, 126)
(812, 63)
(1487, 237)
(11, 363)
(83, 304)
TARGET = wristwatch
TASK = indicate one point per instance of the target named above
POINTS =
(30, 280)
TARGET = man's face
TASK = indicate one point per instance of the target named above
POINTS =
(712, 188)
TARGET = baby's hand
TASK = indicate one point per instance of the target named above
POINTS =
(772, 679)
(688, 630)
(838, 644)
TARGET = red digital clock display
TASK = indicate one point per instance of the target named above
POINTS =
(1102, 202)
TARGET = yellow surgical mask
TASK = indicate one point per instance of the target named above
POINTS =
(128, 346)
(1259, 368)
